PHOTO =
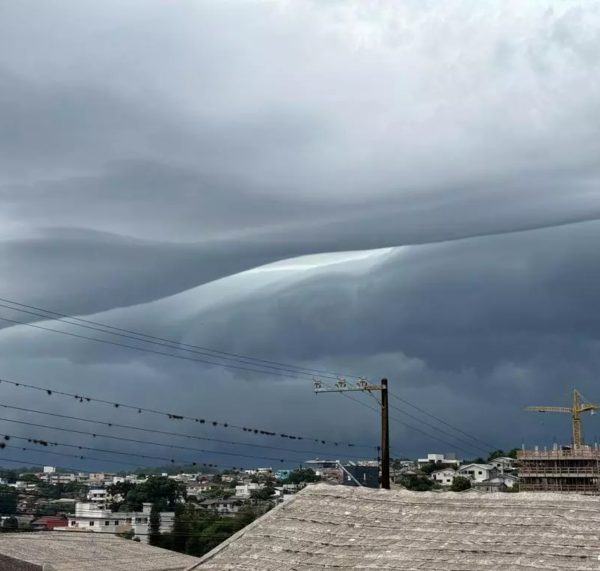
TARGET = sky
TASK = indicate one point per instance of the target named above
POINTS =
(380, 189)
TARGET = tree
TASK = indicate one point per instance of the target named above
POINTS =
(154, 536)
(10, 524)
(460, 483)
(8, 500)
(432, 467)
(416, 482)
(181, 528)
(302, 475)
(165, 492)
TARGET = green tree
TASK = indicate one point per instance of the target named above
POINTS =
(165, 492)
(154, 535)
(8, 500)
(181, 528)
(302, 475)
(432, 467)
(416, 482)
(460, 483)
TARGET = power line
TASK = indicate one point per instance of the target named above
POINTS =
(146, 350)
(138, 441)
(445, 423)
(412, 427)
(161, 341)
(47, 443)
(161, 432)
(173, 416)
(457, 438)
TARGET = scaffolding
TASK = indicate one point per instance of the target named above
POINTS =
(564, 469)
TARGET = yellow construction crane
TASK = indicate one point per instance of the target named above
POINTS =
(575, 411)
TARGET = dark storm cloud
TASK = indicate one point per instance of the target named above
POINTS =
(148, 150)
(473, 330)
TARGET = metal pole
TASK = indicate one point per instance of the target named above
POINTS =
(385, 437)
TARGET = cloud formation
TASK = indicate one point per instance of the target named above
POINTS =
(158, 157)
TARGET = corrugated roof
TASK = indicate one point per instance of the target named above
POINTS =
(73, 551)
(338, 527)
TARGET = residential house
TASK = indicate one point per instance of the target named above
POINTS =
(245, 490)
(504, 464)
(449, 459)
(89, 517)
(478, 472)
(444, 477)
(499, 483)
(228, 506)
(49, 522)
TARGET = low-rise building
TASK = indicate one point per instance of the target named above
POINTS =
(228, 506)
(478, 472)
(89, 517)
(444, 477)
(449, 459)
(499, 483)
(245, 490)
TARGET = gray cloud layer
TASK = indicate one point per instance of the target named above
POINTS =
(146, 150)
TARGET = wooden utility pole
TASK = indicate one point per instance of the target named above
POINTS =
(363, 385)
(385, 437)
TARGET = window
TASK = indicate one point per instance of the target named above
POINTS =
(73, 522)
(107, 522)
(91, 523)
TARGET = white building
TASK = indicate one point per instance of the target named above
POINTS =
(444, 477)
(99, 497)
(228, 506)
(478, 472)
(435, 458)
(504, 464)
(245, 490)
(499, 483)
(89, 517)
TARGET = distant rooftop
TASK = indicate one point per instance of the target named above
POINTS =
(72, 551)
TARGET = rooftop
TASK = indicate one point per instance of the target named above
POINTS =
(340, 527)
(72, 551)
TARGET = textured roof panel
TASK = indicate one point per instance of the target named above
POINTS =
(72, 551)
(338, 527)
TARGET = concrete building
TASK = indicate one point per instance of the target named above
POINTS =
(228, 506)
(560, 469)
(245, 490)
(55, 551)
(477, 472)
(449, 459)
(499, 483)
(99, 497)
(444, 477)
(88, 517)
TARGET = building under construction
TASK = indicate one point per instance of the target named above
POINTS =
(574, 468)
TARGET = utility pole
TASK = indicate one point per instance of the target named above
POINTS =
(385, 437)
(363, 385)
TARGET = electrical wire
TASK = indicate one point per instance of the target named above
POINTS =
(172, 416)
(445, 423)
(161, 432)
(161, 341)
